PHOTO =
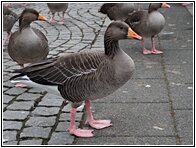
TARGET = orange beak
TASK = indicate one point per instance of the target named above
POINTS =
(133, 35)
(164, 5)
(42, 18)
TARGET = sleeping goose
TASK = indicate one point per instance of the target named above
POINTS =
(28, 45)
(148, 24)
(9, 19)
(117, 11)
(85, 76)
(57, 7)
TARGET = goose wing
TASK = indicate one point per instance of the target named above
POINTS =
(57, 70)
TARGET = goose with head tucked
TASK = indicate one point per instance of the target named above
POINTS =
(148, 24)
(86, 76)
(9, 19)
(28, 45)
(57, 7)
(117, 11)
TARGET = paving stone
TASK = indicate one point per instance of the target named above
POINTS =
(18, 105)
(64, 125)
(46, 111)
(184, 123)
(51, 100)
(41, 121)
(61, 138)
(35, 132)
(15, 91)
(10, 143)
(7, 99)
(15, 115)
(66, 117)
(31, 142)
(28, 97)
(144, 141)
(9, 136)
(12, 125)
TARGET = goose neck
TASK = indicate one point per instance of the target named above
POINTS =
(111, 47)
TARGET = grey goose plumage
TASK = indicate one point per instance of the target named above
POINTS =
(28, 45)
(86, 76)
(148, 24)
(117, 11)
(9, 19)
(57, 7)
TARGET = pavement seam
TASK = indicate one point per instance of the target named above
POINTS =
(172, 113)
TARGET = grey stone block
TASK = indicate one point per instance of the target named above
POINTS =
(41, 121)
(46, 111)
(31, 142)
(25, 105)
(15, 115)
(35, 132)
(61, 138)
(12, 125)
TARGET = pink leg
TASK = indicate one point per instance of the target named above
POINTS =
(7, 38)
(138, 6)
(72, 127)
(153, 50)
(145, 51)
(52, 18)
(62, 21)
(8, 4)
(97, 124)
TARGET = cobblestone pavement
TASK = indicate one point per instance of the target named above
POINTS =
(37, 117)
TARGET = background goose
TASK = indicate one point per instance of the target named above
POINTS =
(117, 11)
(86, 76)
(28, 45)
(9, 19)
(148, 24)
(57, 7)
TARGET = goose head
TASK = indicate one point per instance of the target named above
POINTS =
(155, 6)
(29, 15)
(119, 30)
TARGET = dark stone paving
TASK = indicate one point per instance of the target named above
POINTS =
(154, 108)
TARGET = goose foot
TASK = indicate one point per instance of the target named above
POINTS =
(99, 124)
(154, 51)
(81, 133)
(145, 51)
(20, 85)
(60, 23)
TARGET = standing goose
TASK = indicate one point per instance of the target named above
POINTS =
(28, 45)
(148, 24)
(86, 76)
(57, 7)
(9, 19)
(117, 11)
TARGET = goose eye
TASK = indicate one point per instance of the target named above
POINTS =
(121, 28)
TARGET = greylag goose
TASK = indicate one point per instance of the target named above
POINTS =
(9, 19)
(57, 7)
(86, 76)
(148, 24)
(117, 11)
(28, 45)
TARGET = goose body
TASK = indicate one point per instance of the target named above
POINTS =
(9, 19)
(28, 45)
(86, 76)
(57, 7)
(148, 24)
(117, 11)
